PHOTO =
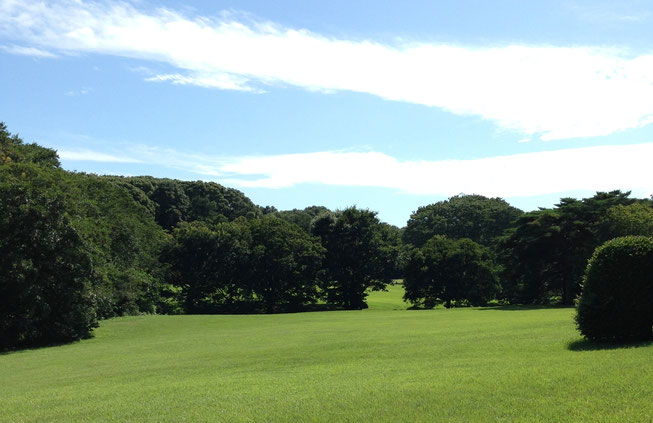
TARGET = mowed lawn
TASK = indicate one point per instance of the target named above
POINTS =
(382, 364)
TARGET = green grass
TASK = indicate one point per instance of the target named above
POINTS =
(379, 364)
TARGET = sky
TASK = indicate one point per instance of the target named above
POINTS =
(385, 105)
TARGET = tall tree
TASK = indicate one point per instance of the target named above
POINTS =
(46, 276)
(546, 253)
(533, 258)
(355, 258)
(283, 265)
(207, 263)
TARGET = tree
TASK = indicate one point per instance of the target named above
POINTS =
(533, 259)
(46, 276)
(123, 241)
(14, 150)
(355, 259)
(302, 218)
(546, 252)
(206, 262)
(263, 264)
(214, 203)
(283, 264)
(620, 220)
(616, 303)
(476, 217)
(173, 203)
(452, 272)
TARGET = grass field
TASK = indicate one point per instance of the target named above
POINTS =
(380, 364)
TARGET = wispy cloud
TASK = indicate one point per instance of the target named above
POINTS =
(610, 12)
(94, 156)
(81, 91)
(222, 81)
(28, 51)
(541, 91)
(520, 175)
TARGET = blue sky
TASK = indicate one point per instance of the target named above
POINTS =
(384, 105)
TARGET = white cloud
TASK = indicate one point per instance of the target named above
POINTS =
(601, 168)
(94, 156)
(546, 91)
(81, 91)
(28, 51)
(222, 81)
(521, 175)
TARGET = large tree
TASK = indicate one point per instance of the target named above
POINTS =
(544, 255)
(46, 276)
(283, 264)
(476, 217)
(534, 263)
(206, 262)
(452, 272)
(356, 256)
(123, 241)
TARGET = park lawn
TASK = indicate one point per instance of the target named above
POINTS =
(380, 364)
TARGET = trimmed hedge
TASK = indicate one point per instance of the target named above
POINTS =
(616, 303)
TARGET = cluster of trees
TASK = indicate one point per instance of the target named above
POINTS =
(269, 265)
(470, 249)
(76, 248)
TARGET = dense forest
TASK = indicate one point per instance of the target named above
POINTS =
(76, 248)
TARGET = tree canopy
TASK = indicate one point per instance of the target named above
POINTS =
(356, 256)
(452, 272)
(476, 217)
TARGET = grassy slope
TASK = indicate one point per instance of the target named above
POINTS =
(378, 364)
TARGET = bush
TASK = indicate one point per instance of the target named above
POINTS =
(616, 303)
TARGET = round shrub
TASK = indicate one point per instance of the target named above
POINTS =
(616, 303)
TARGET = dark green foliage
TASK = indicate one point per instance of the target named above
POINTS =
(211, 202)
(173, 201)
(533, 258)
(616, 303)
(263, 264)
(46, 276)
(450, 272)
(476, 217)
(283, 265)
(302, 218)
(124, 242)
(357, 257)
(206, 263)
(544, 255)
(391, 250)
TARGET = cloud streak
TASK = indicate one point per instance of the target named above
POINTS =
(543, 91)
(522, 175)
(94, 156)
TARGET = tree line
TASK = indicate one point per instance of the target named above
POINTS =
(76, 248)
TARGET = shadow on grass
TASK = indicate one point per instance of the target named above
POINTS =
(586, 345)
(15, 350)
(523, 307)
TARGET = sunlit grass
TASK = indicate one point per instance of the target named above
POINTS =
(373, 365)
